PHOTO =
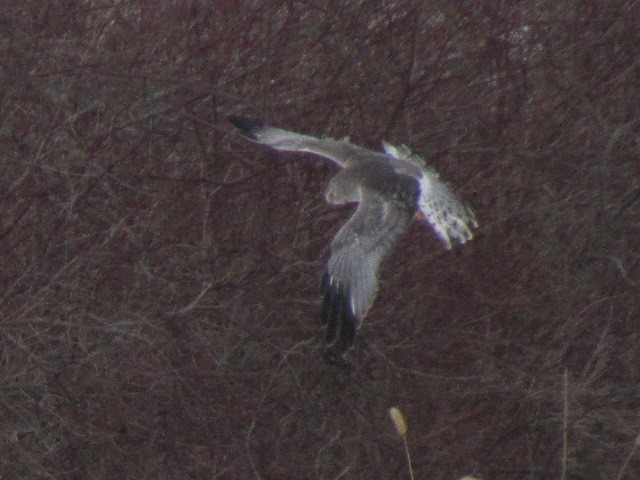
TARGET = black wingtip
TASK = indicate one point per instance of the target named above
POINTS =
(247, 127)
(337, 315)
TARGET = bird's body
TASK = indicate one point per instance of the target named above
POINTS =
(390, 187)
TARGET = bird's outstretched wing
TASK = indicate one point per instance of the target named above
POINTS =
(350, 282)
(337, 150)
(444, 211)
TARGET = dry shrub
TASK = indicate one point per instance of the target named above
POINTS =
(159, 310)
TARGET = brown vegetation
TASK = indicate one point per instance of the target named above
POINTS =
(159, 303)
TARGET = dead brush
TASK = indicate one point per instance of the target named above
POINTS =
(400, 425)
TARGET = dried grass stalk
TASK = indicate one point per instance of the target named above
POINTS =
(398, 421)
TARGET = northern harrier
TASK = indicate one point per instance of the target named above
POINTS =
(390, 188)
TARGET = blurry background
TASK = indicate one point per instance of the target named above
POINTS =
(159, 275)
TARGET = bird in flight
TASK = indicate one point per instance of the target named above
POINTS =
(390, 188)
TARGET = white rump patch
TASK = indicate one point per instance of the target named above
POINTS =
(402, 152)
